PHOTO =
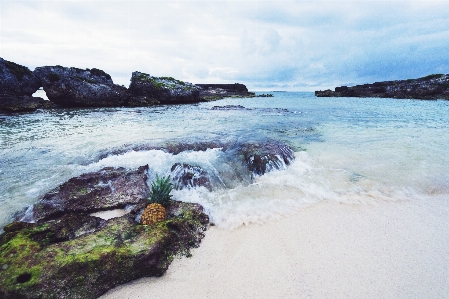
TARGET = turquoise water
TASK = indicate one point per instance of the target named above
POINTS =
(347, 149)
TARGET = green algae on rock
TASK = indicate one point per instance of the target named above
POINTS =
(81, 256)
(148, 90)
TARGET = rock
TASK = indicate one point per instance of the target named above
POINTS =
(263, 95)
(230, 107)
(13, 103)
(172, 147)
(81, 256)
(431, 87)
(16, 79)
(188, 176)
(257, 157)
(17, 84)
(73, 87)
(109, 188)
(262, 157)
(209, 92)
(147, 90)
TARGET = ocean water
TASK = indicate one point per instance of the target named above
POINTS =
(349, 150)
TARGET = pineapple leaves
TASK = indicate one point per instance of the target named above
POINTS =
(160, 190)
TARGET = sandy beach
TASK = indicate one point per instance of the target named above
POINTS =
(328, 250)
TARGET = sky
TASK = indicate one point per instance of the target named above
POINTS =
(266, 45)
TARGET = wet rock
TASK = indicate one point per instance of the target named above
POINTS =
(431, 87)
(80, 256)
(257, 157)
(148, 90)
(13, 103)
(172, 147)
(74, 87)
(262, 157)
(109, 188)
(188, 176)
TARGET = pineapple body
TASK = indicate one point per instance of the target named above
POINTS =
(154, 212)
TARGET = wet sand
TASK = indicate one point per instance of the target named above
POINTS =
(328, 250)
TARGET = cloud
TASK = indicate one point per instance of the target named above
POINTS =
(300, 45)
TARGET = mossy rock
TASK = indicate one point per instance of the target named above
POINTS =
(166, 90)
(81, 256)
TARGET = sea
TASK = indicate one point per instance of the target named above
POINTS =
(364, 151)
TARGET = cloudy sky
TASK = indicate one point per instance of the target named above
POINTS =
(267, 45)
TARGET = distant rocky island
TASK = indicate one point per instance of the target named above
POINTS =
(74, 87)
(432, 87)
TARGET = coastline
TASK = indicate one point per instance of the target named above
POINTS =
(328, 250)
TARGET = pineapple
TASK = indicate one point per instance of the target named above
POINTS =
(159, 196)
(154, 212)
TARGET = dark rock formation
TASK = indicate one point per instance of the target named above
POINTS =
(75, 255)
(262, 157)
(211, 92)
(431, 87)
(12, 103)
(73, 87)
(109, 188)
(188, 176)
(16, 79)
(148, 90)
(257, 157)
(17, 84)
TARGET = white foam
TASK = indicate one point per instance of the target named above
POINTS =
(156, 159)
(280, 193)
(274, 195)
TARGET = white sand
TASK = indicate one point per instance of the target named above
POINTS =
(110, 213)
(329, 250)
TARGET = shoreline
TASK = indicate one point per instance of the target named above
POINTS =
(328, 250)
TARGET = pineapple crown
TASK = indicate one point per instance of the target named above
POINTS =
(160, 190)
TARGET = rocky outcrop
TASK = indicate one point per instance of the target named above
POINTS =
(189, 176)
(257, 157)
(262, 157)
(17, 84)
(16, 79)
(70, 254)
(12, 103)
(147, 90)
(209, 92)
(109, 188)
(74, 87)
(431, 87)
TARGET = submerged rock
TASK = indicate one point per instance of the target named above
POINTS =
(74, 87)
(230, 107)
(148, 90)
(80, 256)
(109, 188)
(244, 159)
